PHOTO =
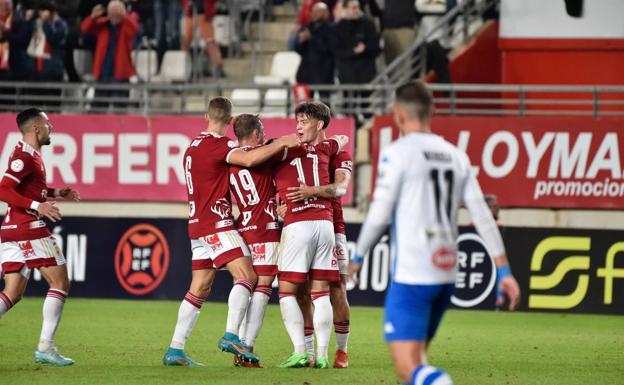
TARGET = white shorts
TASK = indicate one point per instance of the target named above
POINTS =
(20, 256)
(307, 249)
(342, 254)
(264, 257)
(217, 250)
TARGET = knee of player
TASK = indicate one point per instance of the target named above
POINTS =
(61, 283)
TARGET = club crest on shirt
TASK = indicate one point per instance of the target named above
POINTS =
(17, 165)
(222, 208)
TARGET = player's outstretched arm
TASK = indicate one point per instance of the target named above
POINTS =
(487, 228)
(261, 154)
(333, 190)
(67, 193)
(9, 194)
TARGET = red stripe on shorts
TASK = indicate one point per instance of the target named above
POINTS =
(291, 276)
(202, 264)
(227, 257)
(325, 275)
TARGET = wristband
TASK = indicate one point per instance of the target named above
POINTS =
(501, 272)
(34, 205)
(340, 191)
(56, 192)
(358, 259)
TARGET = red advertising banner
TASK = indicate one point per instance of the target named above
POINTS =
(535, 162)
(130, 158)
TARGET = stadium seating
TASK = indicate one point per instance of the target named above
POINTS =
(283, 69)
(246, 100)
(145, 63)
(175, 67)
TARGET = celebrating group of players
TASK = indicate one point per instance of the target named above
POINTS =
(296, 169)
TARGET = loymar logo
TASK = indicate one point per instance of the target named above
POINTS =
(141, 259)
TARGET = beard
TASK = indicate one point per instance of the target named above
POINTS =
(45, 141)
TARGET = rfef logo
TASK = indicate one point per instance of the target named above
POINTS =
(141, 259)
(476, 274)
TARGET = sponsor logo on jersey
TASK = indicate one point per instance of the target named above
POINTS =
(222, 208)
(141, 259)
(27, 249)
(17, 165)
(214, 242)
(258, 252)
(347, 164)
(444, 258)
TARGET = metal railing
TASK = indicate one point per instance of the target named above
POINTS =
(450, 99)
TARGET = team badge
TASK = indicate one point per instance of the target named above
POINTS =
(17, 165)
(141, 259)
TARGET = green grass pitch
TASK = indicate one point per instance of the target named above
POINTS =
(122, 342)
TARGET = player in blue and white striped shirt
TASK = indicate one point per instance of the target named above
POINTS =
(422, 182)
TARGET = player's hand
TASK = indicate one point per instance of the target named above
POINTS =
(352, 270)
(508, 286)
(300, 193)
(281, 211)
(289, 141)
(97, 11)
(50, 211)
(70, 194)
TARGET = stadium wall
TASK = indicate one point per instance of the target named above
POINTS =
(565, 270)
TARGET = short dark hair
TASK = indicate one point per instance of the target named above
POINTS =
(315, 110)
(245, 124)
(24, 117)
(220, 109)
(415, 95)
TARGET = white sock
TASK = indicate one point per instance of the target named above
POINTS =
(309, 340)
(187, 317)
(237, 305)
(255, 313)
(243, 328)
(293, 320)
(52, 311)
(341, 329)
(323, 316)
(5, 304)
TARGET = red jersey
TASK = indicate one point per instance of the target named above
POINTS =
(313, 170)
(206, 173)
(341, 161)
(254, 191)
(27, 169)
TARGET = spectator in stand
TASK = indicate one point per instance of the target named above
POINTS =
(115, 33)
(355, 43)
(143, 12)
(304, 17)
(430, 12)
(47, 33)
(167, 14)
(314, 46)
(6, 15)
(199, 13)
(68, 11)
(399, 33)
